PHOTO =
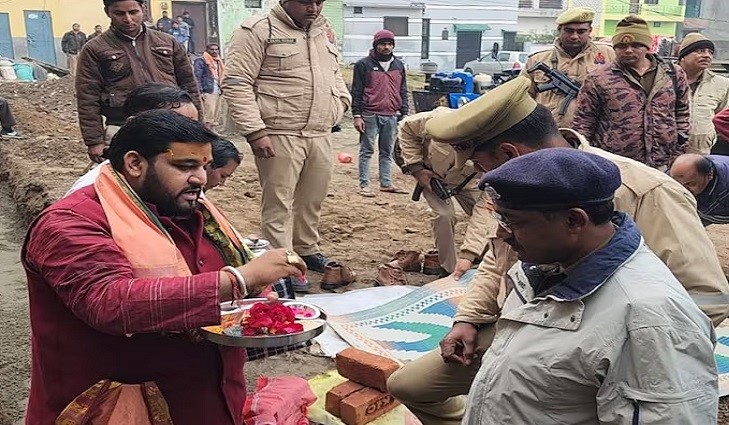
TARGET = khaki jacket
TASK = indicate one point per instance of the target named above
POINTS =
(417, 148)
(577, 68)
(710, 98)
(666, 215)
(634, 350)
(281, 79)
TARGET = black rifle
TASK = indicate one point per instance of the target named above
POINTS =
(438, 187)
(559, 82)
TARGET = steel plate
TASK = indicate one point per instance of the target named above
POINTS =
(312, 329)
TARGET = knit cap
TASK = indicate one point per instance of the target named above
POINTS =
(383, 36)
(693, 42)
(632, 29)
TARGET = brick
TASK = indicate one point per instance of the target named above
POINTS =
(365, 406)
(365, 368)
(337, 394)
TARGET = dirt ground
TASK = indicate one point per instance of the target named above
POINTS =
(361, 232)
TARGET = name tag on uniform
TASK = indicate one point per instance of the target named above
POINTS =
(281, 41)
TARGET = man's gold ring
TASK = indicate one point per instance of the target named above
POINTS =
(292, 258)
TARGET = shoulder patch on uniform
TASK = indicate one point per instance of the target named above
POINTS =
(253, 21)
(599, 58)
(541, 52)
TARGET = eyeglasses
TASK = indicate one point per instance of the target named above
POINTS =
(504, 225)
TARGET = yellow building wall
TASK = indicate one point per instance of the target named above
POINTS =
(64, 13)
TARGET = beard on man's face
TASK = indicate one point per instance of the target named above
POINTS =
(168, 204)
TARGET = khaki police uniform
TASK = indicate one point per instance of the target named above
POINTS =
(576, 68)
(418, 152)
(664, 211)
(285, 82)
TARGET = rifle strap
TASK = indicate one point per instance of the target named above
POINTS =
(671, 71)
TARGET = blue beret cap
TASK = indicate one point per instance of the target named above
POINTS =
(553, 179)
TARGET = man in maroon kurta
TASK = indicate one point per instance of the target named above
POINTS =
(91, 319)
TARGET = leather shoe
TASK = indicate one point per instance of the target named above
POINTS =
(409, 261)
(431, 264)
(389, 275)
(336, 276)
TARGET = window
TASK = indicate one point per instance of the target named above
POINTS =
(397, 24)
(358, 10)
(525, 4)
(657, 24)
(523, 57)
(504, 57)
(550, 4)
(650, 1)
(252, 4)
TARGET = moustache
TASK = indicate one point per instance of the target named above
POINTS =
(191, 189)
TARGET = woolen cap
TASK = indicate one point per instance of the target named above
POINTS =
(483, 119)
(383, 36)
(693, 42)
(632, 29)
(575, 15)
(553, 179)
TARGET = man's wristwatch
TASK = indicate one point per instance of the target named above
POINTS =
(475, 325)
(414, 168)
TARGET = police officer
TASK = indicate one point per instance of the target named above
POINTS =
(501, 125)
(285, 93)
(591, 303)
(574, 54)
(425, 160)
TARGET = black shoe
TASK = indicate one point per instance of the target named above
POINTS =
(315, 262)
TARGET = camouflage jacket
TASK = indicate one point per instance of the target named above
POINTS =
(616, 114)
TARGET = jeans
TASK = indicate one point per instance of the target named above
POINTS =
(383, 129)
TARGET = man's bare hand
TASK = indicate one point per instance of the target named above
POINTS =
(96, 152)
(270, 267)
(459, 345)
(263, 147)
(359, 124)
(462, 266)
(423, 177)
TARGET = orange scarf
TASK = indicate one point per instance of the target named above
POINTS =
(211, 65)
(138, 232)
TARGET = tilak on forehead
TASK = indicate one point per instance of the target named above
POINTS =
(181, 151)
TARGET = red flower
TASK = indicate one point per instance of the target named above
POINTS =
(270, 319)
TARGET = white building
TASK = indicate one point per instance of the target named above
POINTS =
(537, 16)
(447, 32)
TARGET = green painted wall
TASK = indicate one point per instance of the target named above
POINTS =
(666, 29)
(334, 11)
(667, 12)
(234, 12)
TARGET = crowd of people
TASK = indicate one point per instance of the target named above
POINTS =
(596, 290)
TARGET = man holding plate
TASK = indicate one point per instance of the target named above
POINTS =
(122, 273)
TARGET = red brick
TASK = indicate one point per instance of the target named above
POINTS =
(364, 368)
(339, 393)
(366, 405)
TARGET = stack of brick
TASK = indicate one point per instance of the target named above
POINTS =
(363, 398)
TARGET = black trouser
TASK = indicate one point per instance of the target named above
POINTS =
(7, 120)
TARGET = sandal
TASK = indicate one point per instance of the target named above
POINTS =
(366, 192)
(392, 189)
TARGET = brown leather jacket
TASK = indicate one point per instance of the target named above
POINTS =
(112, 64)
